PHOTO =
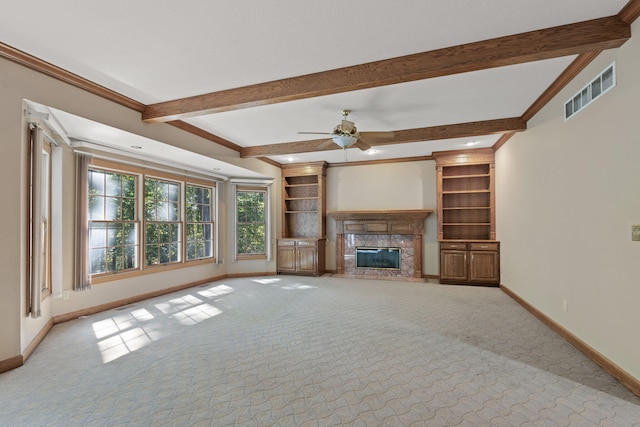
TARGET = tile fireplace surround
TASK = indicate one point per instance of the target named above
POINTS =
(380, 229)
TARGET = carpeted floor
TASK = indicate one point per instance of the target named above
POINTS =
(295, 351)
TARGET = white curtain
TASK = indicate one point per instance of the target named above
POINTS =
(56, 221)
(37, 227)
(82, 280)
(218, 229)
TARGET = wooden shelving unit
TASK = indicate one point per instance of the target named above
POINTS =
(302, 248)
(466, 217)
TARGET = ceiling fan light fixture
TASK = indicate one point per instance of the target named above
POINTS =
(344, 141)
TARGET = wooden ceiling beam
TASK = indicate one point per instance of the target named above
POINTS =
(571, 39)
(460, 130)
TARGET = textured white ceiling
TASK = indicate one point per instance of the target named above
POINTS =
(158, 50)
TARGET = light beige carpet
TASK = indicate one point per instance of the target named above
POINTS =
(293, 351)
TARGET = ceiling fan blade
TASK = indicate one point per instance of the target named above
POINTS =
(325, 143)
(362, 145)
(377, 134)
(314, 133)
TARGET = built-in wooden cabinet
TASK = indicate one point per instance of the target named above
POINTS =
(470, 262)
(301, 250)
(469, 253)
(301, 256)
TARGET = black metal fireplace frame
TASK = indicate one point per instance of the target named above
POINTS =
(398, 258)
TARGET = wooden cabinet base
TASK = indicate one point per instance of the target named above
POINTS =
(470, 262)
(301, 256)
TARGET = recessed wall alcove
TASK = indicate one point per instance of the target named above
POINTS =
(401, 229)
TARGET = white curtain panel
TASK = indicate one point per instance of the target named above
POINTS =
(82, 280)
(37, 226)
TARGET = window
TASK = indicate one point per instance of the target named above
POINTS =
(251, 223)
(162, 219)
(598, 86)
(139, 221)
(199, 222)
(113, 226)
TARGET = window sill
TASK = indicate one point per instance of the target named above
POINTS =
(152, 269)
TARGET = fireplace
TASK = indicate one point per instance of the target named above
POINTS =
(379, 244)
(378, 258)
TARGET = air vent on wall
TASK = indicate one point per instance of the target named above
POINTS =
(598, 86)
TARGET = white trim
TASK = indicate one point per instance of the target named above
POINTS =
(200, 174)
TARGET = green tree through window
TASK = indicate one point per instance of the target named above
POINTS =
(199, 222)
(113, 226)
(251, 225)
(162, 221)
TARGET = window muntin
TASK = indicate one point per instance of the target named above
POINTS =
(113, 225)
(162, 221)
(250, 222)
(199, 222)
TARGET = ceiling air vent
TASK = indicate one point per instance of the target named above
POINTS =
(598, 86)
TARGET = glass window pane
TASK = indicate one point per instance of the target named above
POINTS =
(128, 209)
(152, 257)
(585, 96)
(568, 109)
(607, 79)
(131, 257)
(113, 187)
(175, 252)
(128, 186)
(596, 88)
(96, 182)
(97, 260)
(152, 233)
(112, 235)
(112, 209)
(114, 259)
(98, 235)
(162, 191)
(96, 207)
(173, 214)
(174, 192)
(131, 233)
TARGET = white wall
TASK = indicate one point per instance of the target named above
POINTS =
(567, 194)
(18, 83)
(389, 186)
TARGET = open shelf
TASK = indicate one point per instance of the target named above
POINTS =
(466, 195)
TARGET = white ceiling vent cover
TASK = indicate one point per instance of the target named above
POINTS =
(598, 86)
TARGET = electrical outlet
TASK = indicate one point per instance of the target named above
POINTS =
(565, 305)
(635, 233)
(65, 295)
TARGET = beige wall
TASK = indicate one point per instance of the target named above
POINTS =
(567, 195)
(392, 186)
(18, 83)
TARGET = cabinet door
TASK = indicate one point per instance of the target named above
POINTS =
(307, 256)
(453, 265)
(286, 259)
(484, 267)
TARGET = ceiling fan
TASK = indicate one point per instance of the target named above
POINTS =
(346, 135)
